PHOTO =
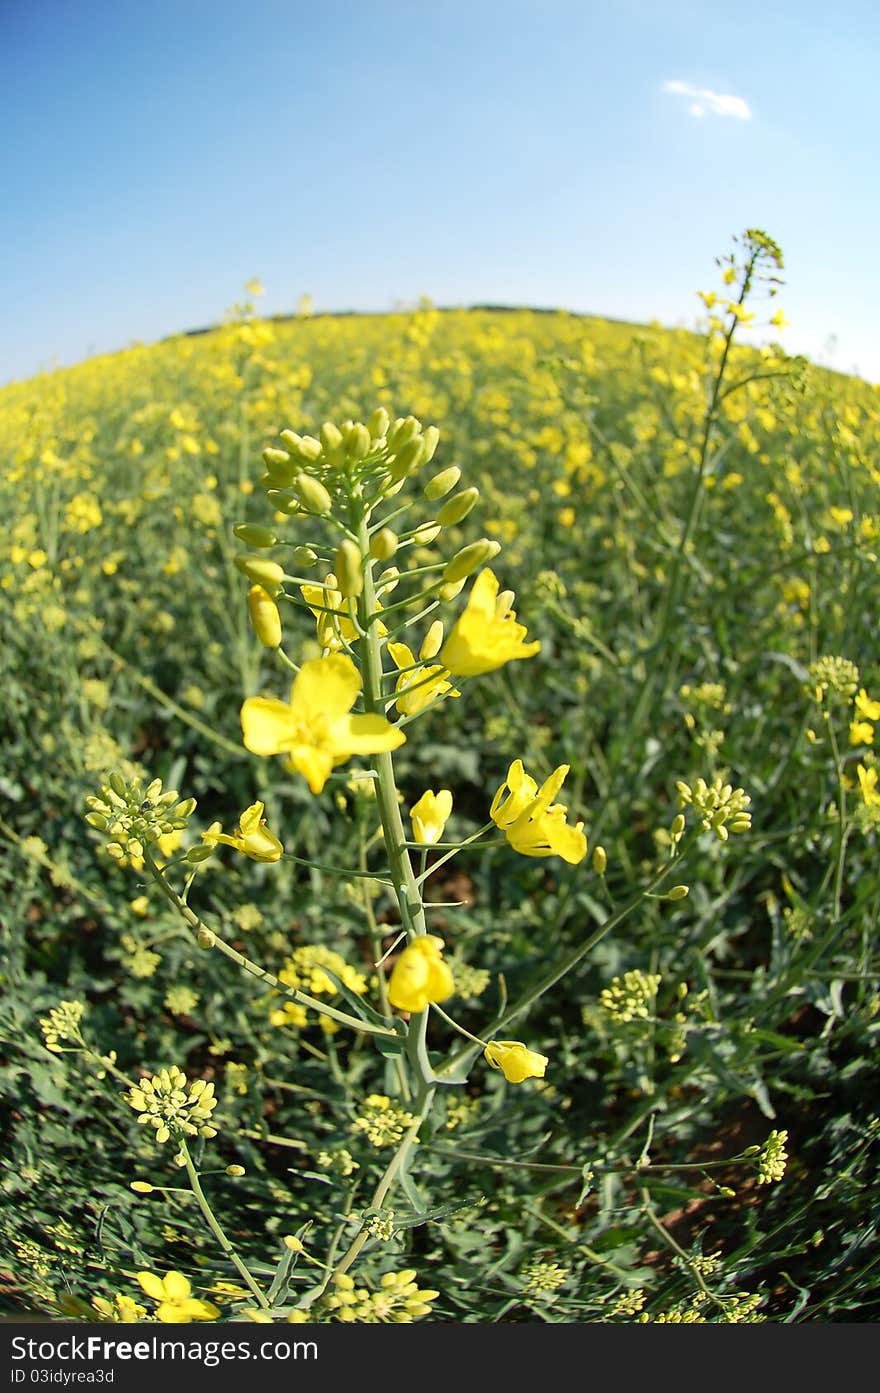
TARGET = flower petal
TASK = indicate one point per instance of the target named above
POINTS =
(152, 1285)
(325, 687)
(364, 735)
(268, 725)
(177, 1287)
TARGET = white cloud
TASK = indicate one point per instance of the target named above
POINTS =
(704, 102)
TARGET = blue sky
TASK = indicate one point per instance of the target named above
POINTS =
(157, 154)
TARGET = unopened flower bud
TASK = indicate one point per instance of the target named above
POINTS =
(432, 642)
(349, 569)
(678, 892)
(403, 430)
(378, 423)
(185, 809)
(442, 483)
(265, 617)
(197, 854)
(383, 544)
(312, 494)
(600, 860)
(407, 459)
(332, 442)
(295, 1245)
(205, 938)
(456, 508)
(450, 590)
(427, 533)
(253, 535)
(470, 559)
(308, 449)
(279, 465)
(235, 1170)
(430, 441)
(358, 442)
(304, 556)
(262, 572)
(284, 501)
(388, 580)
(142, 1187)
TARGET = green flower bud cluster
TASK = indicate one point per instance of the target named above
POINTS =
(62, 1025)
(834, 677)
(631, 996)
(720, 806)
(308, 474)
(383, 1123)
(541, 1278)
(165, 1101)
(134, 817)
(772, 1158)
(398, 1299)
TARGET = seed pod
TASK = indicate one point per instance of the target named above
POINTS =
(456, 508)
(265, 617)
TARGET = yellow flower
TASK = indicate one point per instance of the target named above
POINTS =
(861, 733)
(420, 975)
(335, 630)
(315, 728)
(530, 820)
(866, 707)
(122, 1309)
(418, 687)
(515, 1061)
(253, 836)
(175, 1304)
(868, 785)
(430, 815)
(486, 634)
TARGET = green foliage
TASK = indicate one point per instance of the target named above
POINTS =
(691, 530)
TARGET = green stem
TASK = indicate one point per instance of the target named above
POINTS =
(217, 1231)
(570, 961)
(254, 969)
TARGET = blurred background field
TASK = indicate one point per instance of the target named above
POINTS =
(126, 645)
